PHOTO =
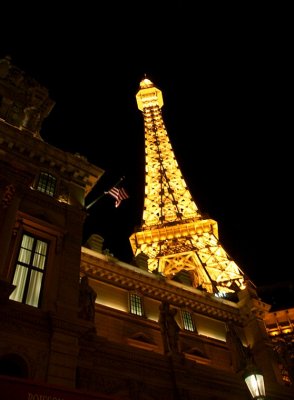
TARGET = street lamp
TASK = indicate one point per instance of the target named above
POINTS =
(255, 383)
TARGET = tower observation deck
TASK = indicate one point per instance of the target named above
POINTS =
(174, 235)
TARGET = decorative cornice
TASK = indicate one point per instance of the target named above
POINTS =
(129, 277)
(22, 146)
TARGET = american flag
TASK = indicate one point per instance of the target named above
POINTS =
(119, 194)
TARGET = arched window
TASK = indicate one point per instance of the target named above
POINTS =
(13, 365)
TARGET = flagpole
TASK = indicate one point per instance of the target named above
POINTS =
(117, 183)
(95, 201)
(103, 194)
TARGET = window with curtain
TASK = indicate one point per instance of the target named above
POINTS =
(188, 322)
(136, 305)
(29, 270)
(46, 183)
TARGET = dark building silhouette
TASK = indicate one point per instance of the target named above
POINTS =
(181, 322)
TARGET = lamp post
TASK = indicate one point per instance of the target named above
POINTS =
(255, 383)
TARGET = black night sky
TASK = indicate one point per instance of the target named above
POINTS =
(226, 77)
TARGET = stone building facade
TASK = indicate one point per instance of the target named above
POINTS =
(77, 323)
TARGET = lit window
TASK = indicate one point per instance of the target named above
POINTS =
(188, 323)
(136, 306)
(46, 183)
(29, 271)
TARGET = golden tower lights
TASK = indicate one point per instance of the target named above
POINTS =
(174, 235)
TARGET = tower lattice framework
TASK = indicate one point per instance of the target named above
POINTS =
(174, 235)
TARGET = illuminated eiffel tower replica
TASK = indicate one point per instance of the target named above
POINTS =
(174, 236)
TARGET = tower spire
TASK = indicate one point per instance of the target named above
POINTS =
(174, 235)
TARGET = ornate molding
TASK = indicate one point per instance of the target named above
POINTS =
(151, 285)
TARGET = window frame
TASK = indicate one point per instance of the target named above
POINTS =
(136, 304)
(188, 321)
(46, 232)
(47, 186)
(30, 271)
